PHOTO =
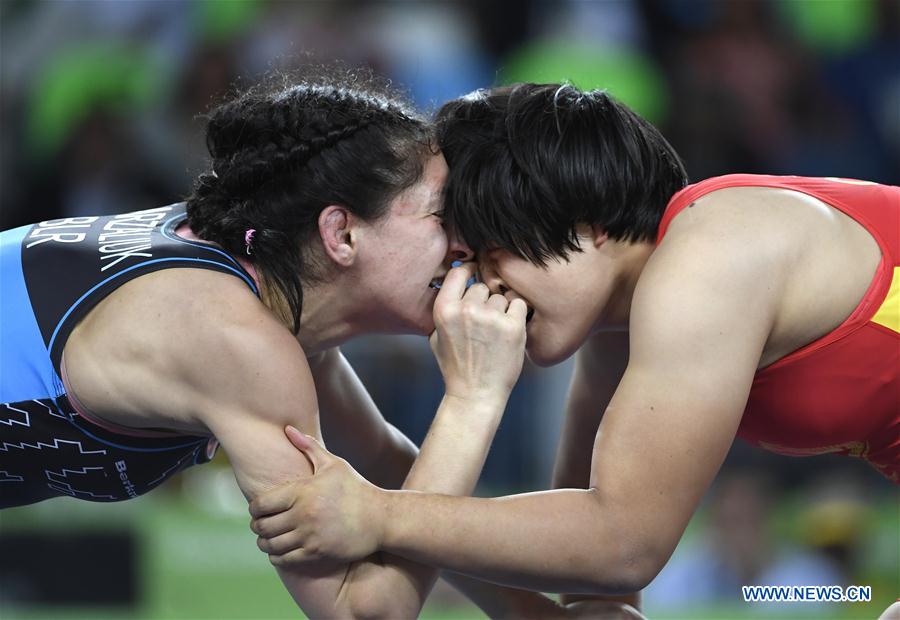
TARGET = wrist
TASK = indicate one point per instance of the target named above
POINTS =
(383, 515)
(479, 403)
(390, 532)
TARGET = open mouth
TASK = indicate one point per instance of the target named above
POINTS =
(529, 315)
(436, 283)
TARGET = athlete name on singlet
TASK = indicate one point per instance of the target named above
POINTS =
(128, 235)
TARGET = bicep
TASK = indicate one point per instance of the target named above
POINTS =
(259, 452)
(249, 400)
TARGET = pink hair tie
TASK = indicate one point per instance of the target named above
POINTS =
(248, 239)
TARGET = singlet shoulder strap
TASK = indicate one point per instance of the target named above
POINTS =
(70, 265)
(690, 194)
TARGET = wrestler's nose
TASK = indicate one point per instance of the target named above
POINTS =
(457, 250)
(489, 276)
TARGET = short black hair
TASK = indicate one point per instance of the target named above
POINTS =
(287, 148)
(529, 162)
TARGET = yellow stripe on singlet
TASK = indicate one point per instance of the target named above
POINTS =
(888, 314)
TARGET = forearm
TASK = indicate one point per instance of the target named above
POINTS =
(503, 602)
(392, 464)
(453, 453)
(554, 541)
(449, 462)
(599, 366)
(634, 599)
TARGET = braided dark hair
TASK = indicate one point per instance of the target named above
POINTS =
(283, 151)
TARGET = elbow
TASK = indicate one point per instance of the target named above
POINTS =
(624, 555)
(639, 571)
(623, 572)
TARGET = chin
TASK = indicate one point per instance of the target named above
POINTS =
(426, 328)
(546, 356)
(421, 325)
(544, 350)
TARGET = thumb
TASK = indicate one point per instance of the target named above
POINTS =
(309, 446)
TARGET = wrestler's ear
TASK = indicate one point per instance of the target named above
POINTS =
(337, 228)
(598, 235)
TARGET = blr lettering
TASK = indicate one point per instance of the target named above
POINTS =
(61, 230)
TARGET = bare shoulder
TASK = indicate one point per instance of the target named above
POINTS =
(167, 348)
(233, 354)
(731, 244)
(809, 259)
(713, 285)
(773, 215)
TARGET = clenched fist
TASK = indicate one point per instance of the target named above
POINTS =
(479, 338)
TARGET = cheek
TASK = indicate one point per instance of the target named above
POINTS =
(439, 240)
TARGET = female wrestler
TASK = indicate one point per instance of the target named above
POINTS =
(758, 306)
(133, 343)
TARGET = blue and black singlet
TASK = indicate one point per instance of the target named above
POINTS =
(51, 275)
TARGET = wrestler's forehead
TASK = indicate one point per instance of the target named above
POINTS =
(427, 194)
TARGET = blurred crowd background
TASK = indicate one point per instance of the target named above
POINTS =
(101, 105)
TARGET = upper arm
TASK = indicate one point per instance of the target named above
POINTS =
(256, 381)
(700, 318)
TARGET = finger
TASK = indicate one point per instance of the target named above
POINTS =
(498, 302)
(478, 293)
(518, 309)
(272, 525)
(297, 557)
(454, 285)
(314, 451)
(273, 501)
(280, 544)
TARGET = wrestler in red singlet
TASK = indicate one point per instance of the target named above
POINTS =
(840, 393)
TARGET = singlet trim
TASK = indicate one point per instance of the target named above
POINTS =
(875, 293)
(198, 441)
(167, 230)
(112, 427)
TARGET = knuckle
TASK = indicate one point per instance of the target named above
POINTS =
(470, 310)
(446, 314)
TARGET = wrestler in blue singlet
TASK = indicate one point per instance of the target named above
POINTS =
(51, 275)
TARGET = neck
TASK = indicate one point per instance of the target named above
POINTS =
(327, 321)
(633, 258)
